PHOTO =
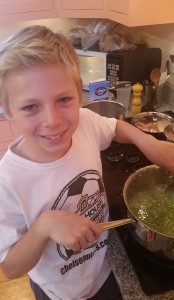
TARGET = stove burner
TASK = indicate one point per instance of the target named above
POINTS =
(115, 156)
(138, 166)
(132, 158)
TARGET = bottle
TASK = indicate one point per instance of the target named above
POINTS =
(148, 97)
(136, 101)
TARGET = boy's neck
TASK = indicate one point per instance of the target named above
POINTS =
(28, 151)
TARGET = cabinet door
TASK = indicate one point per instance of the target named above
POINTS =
(5, 130)
(15, 130)
(8, 133)
(141, 12)
(83, 8)
(5, 136)
(119, 6)
(82, 4)
(17, 10)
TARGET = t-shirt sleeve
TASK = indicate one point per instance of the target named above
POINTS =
(101, 129)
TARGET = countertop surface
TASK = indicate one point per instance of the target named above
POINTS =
(125, 275)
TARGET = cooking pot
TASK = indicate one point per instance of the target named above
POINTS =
(143, 179)
(107, 108)
(152, 122)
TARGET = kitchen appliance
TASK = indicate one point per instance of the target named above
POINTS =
(92, 66)
(131, 65)
(154, 275)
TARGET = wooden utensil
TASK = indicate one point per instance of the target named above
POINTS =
(155, 76)
(112, 224)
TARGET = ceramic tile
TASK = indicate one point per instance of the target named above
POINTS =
(17, 289)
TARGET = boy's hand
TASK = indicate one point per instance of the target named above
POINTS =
(69, 229)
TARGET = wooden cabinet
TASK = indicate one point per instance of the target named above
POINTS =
(83, 8)
(8, 133)
(127, 12)
(141, 12)
(20, 10)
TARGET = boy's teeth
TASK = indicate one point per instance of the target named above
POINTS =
(53, 137)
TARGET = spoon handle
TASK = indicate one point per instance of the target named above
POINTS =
(112, 224)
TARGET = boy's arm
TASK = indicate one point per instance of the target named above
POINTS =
(68, 229)
(158, 152)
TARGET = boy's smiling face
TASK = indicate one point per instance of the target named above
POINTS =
(44, 102)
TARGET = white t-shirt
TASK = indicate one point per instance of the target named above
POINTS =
(73, 183)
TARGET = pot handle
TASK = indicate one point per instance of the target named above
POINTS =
(145, 234)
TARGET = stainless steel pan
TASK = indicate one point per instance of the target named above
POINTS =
(160, 244)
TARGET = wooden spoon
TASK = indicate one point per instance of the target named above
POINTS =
(155, 76)
(112, 224)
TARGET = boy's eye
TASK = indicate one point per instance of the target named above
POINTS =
(64, 100)
(31, 107)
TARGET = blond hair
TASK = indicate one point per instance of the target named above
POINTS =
(36, 45)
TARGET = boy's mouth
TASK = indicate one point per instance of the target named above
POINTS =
(53, 137)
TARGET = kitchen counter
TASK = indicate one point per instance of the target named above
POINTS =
(125, 275)
(159, 108)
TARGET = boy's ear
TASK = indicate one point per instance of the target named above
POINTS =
(6, 111)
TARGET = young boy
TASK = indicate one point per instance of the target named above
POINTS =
(51, 190)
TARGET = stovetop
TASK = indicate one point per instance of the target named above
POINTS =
(119, 161)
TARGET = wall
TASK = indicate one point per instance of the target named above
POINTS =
(161, 36)
(62, 25)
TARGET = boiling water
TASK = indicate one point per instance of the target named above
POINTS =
(155, 208)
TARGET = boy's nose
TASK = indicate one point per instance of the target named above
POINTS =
(52, 117)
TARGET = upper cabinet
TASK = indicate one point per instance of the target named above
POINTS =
(21, 10)
(83, 8)
(141, 12)
(127, 12)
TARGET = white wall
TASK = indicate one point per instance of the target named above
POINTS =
(55, 24)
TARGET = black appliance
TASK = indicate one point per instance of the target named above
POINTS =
(119, 161)
(132, 65)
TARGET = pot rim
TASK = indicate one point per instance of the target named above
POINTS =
(107, 108)
(105, 101)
